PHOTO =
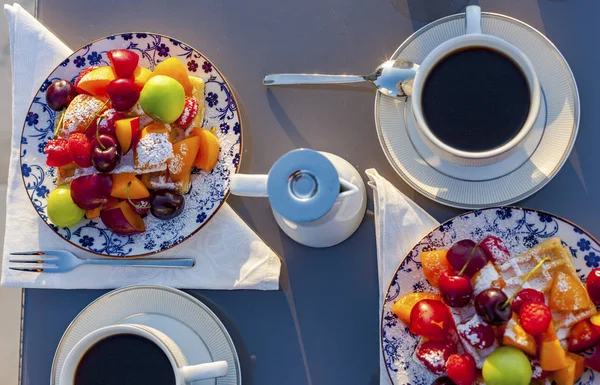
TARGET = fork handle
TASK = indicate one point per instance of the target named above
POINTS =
(298, 79)
(146, 262)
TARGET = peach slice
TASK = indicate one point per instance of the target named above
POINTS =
(181, 164)
(93, 213)
(434, 265)
(140, 76)
(552, 355)
(404, 305)
(568, 294)
(175, 69)
(121, 219)
(208, 153)
(579, 364)
(127, 131)
(137, 189)
(516, 336)
(95, 82)
(571, 373)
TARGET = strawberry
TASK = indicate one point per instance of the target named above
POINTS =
(190, 110)
(80, 149)
(583, 337)
(58, 152)
(494, 249)
(524, 296)
(81, 75)
(461, 369)
(535, 317)
(434, 354)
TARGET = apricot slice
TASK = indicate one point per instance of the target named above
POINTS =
(566, 375)
(579, 364)
(208, 153)
(404, 305)
(95, 82)
(198, 93)
(568, 294)
(127, 131)
(434, 265)
(175, 69)
(140, 76)
(181, 164)
(137, 189)
(93, 213)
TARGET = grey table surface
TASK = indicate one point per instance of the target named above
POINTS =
(322, 328)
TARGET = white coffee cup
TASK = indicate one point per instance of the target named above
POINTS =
(184, 373)
(474, 38)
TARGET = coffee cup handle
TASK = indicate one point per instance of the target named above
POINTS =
(473, 19)
(204, 371)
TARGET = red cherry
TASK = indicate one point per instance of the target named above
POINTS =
(467, 251)
(123, 62)
(593, 285)
(456, 290)
(430, 319)
(123, 94)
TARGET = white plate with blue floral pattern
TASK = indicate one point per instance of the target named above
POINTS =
(209, 190)
(519, 228)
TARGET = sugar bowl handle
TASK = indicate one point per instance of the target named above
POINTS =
(246, 185)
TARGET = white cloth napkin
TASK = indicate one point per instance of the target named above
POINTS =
(399, 225)
(229, 255)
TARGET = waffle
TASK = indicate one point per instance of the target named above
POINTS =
(560, 261)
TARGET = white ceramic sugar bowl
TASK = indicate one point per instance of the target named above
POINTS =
(318, 199)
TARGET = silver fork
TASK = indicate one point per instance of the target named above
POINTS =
(60, 261)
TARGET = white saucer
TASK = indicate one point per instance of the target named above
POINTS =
(515, 178)
(193, 326)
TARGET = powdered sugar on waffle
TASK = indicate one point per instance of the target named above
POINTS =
(486, 277)
(153, 150)
(467, 313)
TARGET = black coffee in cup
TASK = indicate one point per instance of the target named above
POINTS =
(475, 99)
(124, 359)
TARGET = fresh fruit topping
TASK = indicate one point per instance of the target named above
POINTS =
(136, 189)
(62, 211)
(140, 206)
(57, 151)
(495, 249)
(80, 149)
(515, 335)
(91, 191)
(434, 264)
(593, 285)
(163, 99)
(182, 163)
(140, 76)
(106, 153)
(153, 146)
(507, 365)
(105, 123)
(83, 72)
(175, 69)
(461, 369)
(567, 375)
(404, 305)
(93, 213)
(166, 204)
(127, 132)
(568, 294)
(445, 380)
(456, 290)
(467, 251)
(535, 317)
(123, 62)
(434, 354)
(552, 355)
(430, 319)
(198, 93)
(525, 296)
(123, 93)
(208, 153)
(60, 94)
(190, 110)
(491, 305)
(583, 337)
(477, 333)
(95, 82)
(122, 219)
(579, 364)
(595, 321)
(537, 373)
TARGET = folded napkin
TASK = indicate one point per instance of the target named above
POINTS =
(229, 255)
(399, 225)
